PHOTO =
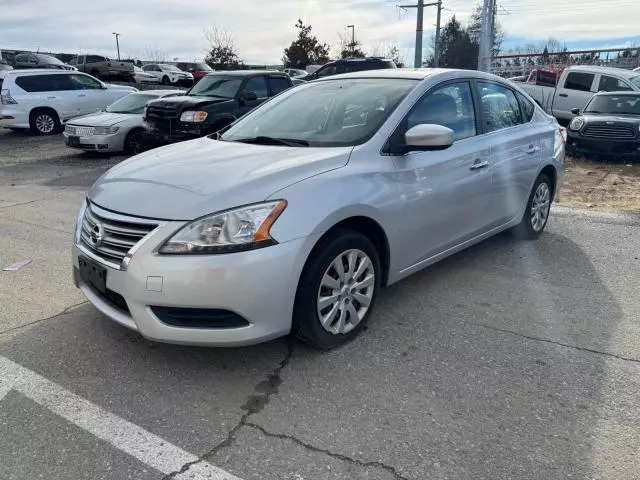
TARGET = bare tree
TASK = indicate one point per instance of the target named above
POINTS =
(154, 54)
(222, 53)
(390, 51)
(346, 49)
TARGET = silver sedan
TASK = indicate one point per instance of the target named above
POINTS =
(294, 218)
(120, 127)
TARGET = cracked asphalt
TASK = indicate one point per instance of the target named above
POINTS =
(509, 360)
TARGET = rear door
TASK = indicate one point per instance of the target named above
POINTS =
(515, 148)
(576, 90)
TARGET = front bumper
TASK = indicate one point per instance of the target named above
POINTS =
(576, 143)
(98, 143)
(257, 285)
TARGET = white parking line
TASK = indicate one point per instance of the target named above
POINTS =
(122, 434)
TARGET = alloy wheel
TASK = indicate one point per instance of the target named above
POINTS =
(346, 292)
(45, 123)
(540, 207)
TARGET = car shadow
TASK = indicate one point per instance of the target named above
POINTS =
(482, 366)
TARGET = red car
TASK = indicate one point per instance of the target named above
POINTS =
(197, 69)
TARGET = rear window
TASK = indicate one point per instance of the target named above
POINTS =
(278, 84)
(579, 81)
(44, 83)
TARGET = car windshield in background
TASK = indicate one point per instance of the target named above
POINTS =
(325, 114)
(202, 67)
(635, 81)
(216, 86)
(620, 105)
(133, 103)
(49, 59)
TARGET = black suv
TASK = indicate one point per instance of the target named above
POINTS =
(213, 103)
(347, 65)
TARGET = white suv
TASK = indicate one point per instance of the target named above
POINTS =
(169, 74)
(43, 100)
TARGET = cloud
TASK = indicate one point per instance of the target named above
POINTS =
(263, 29)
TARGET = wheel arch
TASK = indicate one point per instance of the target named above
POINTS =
(551, 173)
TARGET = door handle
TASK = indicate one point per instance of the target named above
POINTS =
(51, 98)
(532, 149)
(479, 164)
(563, 95)
(82, 95)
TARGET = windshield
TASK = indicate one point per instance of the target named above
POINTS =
(614, 104)
(635, 81)
(50, 60)
(325, 114)
(132, 103)
(216, 86)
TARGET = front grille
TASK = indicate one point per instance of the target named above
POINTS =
(79, 131)
(162, 112)
(111, 236)
(609, 131)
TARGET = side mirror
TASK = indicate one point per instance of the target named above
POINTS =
(575, 111)
(425, 137)
(249, 96)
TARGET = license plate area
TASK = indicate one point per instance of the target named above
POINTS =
(93, 274)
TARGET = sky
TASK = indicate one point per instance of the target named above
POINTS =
(263, 28)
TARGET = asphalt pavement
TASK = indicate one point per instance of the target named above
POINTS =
(511, 360)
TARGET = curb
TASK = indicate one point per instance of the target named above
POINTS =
(602, 217)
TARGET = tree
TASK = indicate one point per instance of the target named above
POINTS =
(457, 49)
(306, 50)
(222, 52)
(350, 50)
(390, 51)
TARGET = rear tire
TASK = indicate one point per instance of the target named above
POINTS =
(44, 121)
(536, 215)
(337, 290)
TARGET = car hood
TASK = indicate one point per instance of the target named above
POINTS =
(602, 117)
(187, 180)
(102, 119)
(124, 88)
(187, 101)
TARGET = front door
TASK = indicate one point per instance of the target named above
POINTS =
(445, 193)
(257, 85)
(577, 90)
(90, 96)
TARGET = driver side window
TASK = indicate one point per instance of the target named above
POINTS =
(257, 85)
(84, 82)
(451, 106)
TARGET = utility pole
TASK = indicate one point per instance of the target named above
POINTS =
(486, 35)
(436, 53)
(353, 38)
(420, 6)
(117, 43)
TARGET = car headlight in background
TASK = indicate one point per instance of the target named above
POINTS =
(236, 230)
(193, 116)
(576, 124)
(105, 130)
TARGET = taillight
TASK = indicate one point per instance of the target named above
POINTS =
(6, 98)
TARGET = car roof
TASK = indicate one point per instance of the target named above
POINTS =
(413, 74)
(40, 71)
(246, 73)
(606, 70)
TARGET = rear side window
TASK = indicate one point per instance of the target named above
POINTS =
(45, 83)
(579, 81)
(73, 61)
(500, 106)
(528, 108)
(278, 84)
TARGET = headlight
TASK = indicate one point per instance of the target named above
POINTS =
(576, 124)
(79, 221)
(244, 228)
(193, 117)
(105, 130)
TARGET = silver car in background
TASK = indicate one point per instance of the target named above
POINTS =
(118, 128)
(294, 217)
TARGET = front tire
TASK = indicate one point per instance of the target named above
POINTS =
(337, 290)
(44, 121)
(536, 214)
(165, 80)
(134, 143)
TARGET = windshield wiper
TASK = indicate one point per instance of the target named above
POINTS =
(289, 142)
